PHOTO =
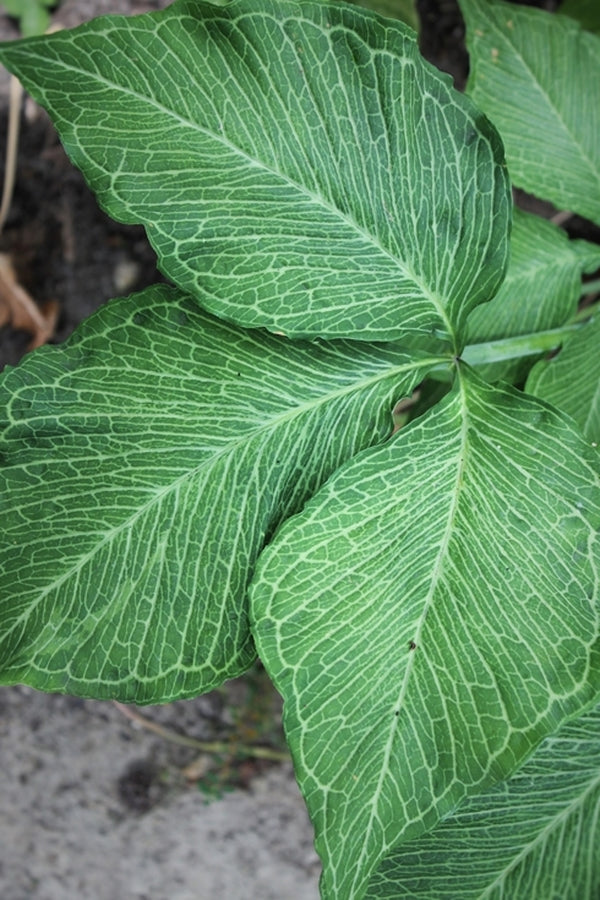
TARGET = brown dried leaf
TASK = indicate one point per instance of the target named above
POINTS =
(198, 768)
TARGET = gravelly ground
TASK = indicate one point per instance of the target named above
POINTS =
(92, 808)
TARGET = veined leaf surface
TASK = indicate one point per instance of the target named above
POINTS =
(297, 165)
(405, 10)
(143, 466)
(537, 76)
(430, 617)
(540, 292)
(534, 837)
(571, 380)
(542, 285)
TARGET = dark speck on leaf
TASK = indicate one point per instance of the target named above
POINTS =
(412, 645)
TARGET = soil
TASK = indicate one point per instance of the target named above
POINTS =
(93, 805)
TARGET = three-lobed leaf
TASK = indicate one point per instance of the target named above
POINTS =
(430, 616)
(531, 838)
(537, 76)
(297, 165)
(144, 465)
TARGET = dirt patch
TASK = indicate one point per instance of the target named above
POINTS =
(93, 806)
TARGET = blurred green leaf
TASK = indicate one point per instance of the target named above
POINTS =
(587, 13)
(33, 15)
(537, 76)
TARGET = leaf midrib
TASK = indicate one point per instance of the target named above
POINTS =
(436, 577)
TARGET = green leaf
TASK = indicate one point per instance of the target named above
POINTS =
(587, 13)
(32, 14)
(571, 380)
(430, 617)
(537, 76)
(540, 292)
(405, 10)
(542, 285)
(297, 165)
(532, 838)
(144, 464)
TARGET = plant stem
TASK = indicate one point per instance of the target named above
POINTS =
(531, 344)
(519, 346)
(12, 144)
(184, 740)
